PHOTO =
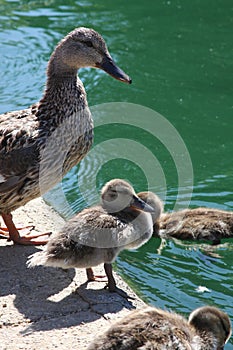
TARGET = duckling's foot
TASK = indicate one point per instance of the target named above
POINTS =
(111, 285)
(119, 291)
(91, 277)
(27, 239)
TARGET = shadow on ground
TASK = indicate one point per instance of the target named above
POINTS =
(48, 298)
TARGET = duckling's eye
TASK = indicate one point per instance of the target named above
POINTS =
(89, 43)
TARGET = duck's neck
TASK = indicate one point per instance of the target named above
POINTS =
(58, 72)
(64, 93)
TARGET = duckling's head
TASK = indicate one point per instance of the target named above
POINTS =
(84, 47)
(155, 202)
(118, 195)
(210, 320)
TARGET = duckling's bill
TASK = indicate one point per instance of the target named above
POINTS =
(140, 204)
(110, 67)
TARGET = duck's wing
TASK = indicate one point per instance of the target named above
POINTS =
(94, 227)
(18, 150)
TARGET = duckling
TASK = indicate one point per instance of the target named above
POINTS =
(208, 328)
(197, 224)
(155, 202)
(39, 145)
(98, 234)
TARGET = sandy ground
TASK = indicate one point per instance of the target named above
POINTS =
(47, 308)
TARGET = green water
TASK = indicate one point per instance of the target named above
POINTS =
(179, 56)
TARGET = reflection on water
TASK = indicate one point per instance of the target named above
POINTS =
(171, 273)
(179, 55)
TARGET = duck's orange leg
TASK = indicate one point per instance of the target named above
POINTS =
(13, 233)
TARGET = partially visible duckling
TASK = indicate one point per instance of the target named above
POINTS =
(97, 235)
(208, 328)
(197, 224)
(156, 203)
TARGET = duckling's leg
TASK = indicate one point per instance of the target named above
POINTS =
(91, 276)
(111, 281)
(15, 236)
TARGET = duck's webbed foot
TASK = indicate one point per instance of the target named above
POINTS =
(25, 238)
(24, 230)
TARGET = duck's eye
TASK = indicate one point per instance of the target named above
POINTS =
(89, 43)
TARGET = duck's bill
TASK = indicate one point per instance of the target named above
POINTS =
(110, 67)
(140, 204)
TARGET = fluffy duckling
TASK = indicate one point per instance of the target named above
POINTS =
(39, 145)
(155, 202)
(197, 224)
(97, 235)
(208, 328)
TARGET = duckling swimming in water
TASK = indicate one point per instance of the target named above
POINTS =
(208, 328)
(39, 145)
(98, 234)
(189, 224)
(197, 224)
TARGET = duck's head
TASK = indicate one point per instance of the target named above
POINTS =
(118, 195)
(154, 201)
(84, 47)
(210, 320)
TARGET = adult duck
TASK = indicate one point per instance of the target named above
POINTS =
(98, 234)
(197, 224)
(208, 328)
(39, 145)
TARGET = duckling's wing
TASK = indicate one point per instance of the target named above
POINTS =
(95, 227)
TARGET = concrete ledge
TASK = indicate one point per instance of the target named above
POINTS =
(47, 308)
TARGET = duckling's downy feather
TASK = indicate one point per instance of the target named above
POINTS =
(208, 328)
(96, 235)
(197, 224)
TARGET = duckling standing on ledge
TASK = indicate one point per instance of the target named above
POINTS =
(39, 145)
(208, 328)
(97, 235)
(197, 224)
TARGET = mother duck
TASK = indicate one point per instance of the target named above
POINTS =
(39, 145)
